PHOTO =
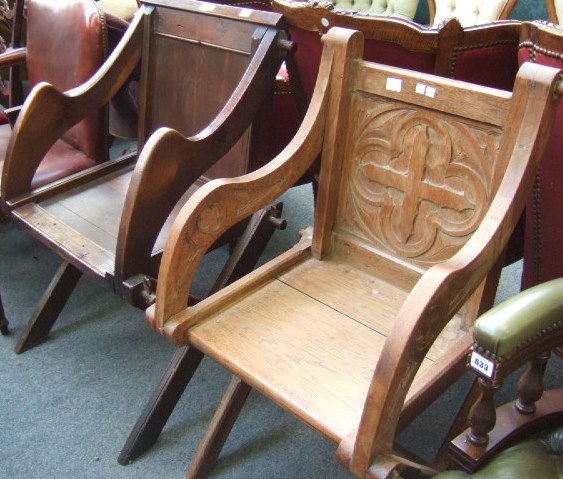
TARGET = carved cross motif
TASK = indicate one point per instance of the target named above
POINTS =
(417, 180)
(413, 185)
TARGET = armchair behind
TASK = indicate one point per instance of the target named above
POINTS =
(504, 442)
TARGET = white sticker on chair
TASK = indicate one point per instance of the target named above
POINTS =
(482, 364)
(245, 12)
(423, 89)
(206, 7)
(394, 84)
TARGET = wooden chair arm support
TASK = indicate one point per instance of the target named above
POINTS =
(444, 288)
(222, 203)
(186, 159)
(13, 56)
(523, 318)
(48, 113)
(12, 114)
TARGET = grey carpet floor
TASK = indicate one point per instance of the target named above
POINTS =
(69, 404)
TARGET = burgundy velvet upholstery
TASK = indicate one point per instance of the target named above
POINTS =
(543, 253)
(493, 66)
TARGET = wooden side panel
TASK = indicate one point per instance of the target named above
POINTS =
(418, 178)
(189, 81)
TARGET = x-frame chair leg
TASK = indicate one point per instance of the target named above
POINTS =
(3, 320)
(50, 307)
(161, 404)
(218, 431)
(186, 360)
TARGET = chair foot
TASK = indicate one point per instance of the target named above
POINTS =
(161, 404)
(3, 320)
(4, 327)
(49, 308)
(223, 421)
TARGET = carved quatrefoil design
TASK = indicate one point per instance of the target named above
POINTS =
(419, 181)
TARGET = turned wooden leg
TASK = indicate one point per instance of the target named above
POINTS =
(50, 307)
(483, 414)
(219, 429)
(530, 386)
(161, 404)
(3, 321)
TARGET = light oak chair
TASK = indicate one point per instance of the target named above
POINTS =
(368, 318)
(470, 12)
(484, 54)
(107, 220)
(522, 438)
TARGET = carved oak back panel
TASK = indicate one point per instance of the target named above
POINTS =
(418, 170)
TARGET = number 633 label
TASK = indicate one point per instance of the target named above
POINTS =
(482, 364)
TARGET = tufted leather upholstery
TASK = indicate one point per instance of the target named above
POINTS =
(538, 458)
(469, 12)
(124, 9)
(390, 8)
(66, 44)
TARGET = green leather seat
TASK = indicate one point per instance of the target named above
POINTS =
(538, 458)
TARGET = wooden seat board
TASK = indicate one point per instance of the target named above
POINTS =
(73, 246)
(269, 336)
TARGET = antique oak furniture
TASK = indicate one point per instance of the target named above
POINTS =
(51, 28)
(110, 220)
(368, 318)
(480, 54)
(504, 441)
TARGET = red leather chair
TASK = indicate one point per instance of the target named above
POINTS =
(66, 44)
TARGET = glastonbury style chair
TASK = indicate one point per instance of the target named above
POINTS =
(85, 45)
(470, 12)
(106, 221)
(504, 441)
(484, 54)
(481, 54)
(368, 318)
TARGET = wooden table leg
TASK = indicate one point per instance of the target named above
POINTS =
(161, 404)
(50, 307)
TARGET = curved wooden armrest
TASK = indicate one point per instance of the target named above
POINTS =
(171, 163)
(526, 317)
(47, 113)
(223, 203)
(13, 56)
(444, 288)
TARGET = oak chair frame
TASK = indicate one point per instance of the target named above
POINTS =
(447, 44)
(468, 276)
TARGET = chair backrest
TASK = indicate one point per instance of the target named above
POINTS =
(418, 202)
(465, 54)
(66, 44)
(470, 12)
(554, 10)
(188, 103)
(405, 9)
(542, 43)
